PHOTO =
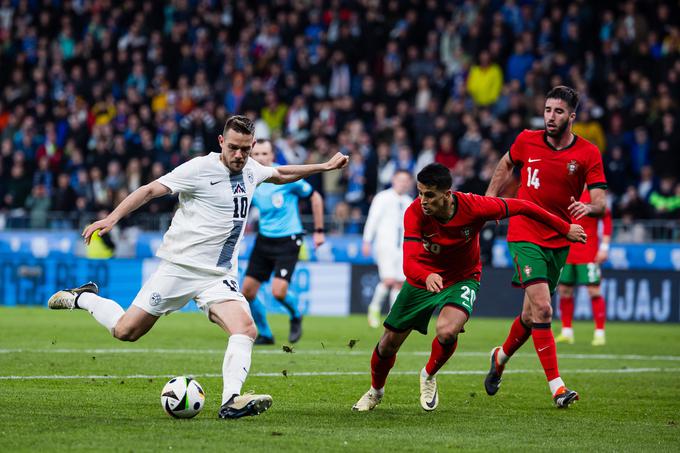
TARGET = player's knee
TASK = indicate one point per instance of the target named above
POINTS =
(247, 328)
(279, 293)
(542, 313)
(594, 291)
(388, 347)
(448, 335)
(248, 293)
(566, 291)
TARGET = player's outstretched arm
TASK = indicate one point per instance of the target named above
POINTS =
(573, 232)
(132, 202)
(596, 207)
(290, 173)
(501, 176)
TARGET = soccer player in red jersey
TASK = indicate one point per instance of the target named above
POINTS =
(583, 268)
(443, 269)
(555, 166)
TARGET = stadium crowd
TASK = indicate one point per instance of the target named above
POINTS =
(99, 97)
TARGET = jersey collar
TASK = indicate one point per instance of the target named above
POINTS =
(545, 140)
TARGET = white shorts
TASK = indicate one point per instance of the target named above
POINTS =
(172, 286)
(390, 263)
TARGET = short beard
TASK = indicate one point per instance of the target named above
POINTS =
(559, 132)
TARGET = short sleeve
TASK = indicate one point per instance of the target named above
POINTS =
(183, 179)
(516, 153)
(260, 172)
(486, 208)
(595, 178)
(302, 188)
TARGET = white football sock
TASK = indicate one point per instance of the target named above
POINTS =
(555, 385)
(236, 365)
(502, 356)
(106, 311)
(394, 292)
(378, 297)
(379, 392)
(568, 332)
(599, 333)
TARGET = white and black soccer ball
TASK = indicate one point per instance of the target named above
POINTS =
(182, 397)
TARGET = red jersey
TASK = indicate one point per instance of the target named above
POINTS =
(549, 178)
(585, 253)
(451, 249)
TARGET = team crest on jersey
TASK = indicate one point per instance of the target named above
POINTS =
(249, 175)
(572, 166)
(467, 233)
(527, 270)
(277, 200)
(239, 189)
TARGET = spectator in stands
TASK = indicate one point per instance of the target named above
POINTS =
(485, 81)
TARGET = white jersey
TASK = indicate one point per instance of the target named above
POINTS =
(208, 225)
(385, 223)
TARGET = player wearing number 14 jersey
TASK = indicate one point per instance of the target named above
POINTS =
(443, 270)
(199, 254)
(555, 166)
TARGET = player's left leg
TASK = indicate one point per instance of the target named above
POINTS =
(544, 342)
(599, 314)
(233, 316)
(251, 286)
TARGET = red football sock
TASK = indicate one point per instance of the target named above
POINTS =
(599, 311)
(380, 368)
(567, 310)
(439, 355)
(519, 334)
(544, 342)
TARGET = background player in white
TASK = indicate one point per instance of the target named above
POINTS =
(384, 230)
(199, 254)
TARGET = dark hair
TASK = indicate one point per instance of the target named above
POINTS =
(436, 175)
(263, 141)
(239, 123)
(565, 93)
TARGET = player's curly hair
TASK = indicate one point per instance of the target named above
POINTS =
(436, 175)
(565, 93)
(239, 123)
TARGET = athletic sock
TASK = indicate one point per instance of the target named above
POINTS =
(555, 385)
(380, 368)
(379, 296)
(519, 334)
(599, 312)
(105, 311)
(394, 292)
(567, 310)
(236, 365)
(544, 342)
(439, 355)
(290, 302)
(259, 313)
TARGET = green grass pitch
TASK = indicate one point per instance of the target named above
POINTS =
(630, 390)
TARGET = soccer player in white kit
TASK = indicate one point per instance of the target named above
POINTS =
(384, 230)
(199, 254)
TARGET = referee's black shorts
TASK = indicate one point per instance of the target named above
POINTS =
(278, 255)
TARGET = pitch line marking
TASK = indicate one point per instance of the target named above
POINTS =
(670, 358)
(342, 373)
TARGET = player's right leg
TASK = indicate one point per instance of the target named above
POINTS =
(382, 361)
(125, 326)
(566, 292)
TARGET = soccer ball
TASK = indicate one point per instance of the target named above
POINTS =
(182, 397)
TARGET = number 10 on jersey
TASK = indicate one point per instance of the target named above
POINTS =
(242, 211)
(532, 178)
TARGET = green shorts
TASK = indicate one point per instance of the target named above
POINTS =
(581, 274)
(535, 264)
(414, 306)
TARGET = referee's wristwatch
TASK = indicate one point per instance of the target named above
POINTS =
(319, 230)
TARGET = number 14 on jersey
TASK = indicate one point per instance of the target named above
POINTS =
(532, 178)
